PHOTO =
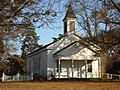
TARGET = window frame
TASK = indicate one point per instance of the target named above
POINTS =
(72, 26)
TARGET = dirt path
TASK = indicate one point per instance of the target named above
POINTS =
(60, 86)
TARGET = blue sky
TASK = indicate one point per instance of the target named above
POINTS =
(46, 34)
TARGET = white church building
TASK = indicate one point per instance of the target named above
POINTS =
(66, 57)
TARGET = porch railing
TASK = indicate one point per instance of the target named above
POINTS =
(110, 76)
(66, 74)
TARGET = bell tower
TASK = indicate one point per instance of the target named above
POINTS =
(70, 21)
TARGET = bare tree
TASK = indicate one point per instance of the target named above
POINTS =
(100, 22)
(18, 20)
(17, 15)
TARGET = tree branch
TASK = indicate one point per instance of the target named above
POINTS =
(115, 5)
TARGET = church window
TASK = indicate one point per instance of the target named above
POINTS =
(72, 25)
(65, 27)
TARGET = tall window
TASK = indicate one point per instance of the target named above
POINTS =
(89, 64)
(72, 26)
(65, 27)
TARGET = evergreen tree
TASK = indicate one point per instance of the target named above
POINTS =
(29, 42)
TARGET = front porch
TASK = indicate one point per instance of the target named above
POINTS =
(76, 69)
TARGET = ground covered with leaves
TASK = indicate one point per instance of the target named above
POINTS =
(65, 85)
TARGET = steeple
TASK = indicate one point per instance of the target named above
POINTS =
(70, 13)
(70, 21)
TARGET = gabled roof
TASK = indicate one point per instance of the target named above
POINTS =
(46, 46)
(70, 13)
(83, 42)
(41, 48)
(87, 44)
(65, 47)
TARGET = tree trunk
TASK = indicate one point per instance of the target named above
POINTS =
(1, 45)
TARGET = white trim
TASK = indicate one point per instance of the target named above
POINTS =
(59, 68)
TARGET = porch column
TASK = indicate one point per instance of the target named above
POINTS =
(99, 68)
(72, 68)
(85, 68)
(54, 72)
(59, 68)
(67, 72)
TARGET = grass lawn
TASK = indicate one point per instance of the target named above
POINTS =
(60, 85)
